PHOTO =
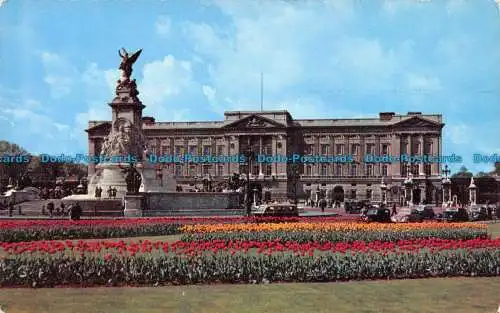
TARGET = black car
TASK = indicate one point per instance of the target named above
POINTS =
(353, 207)
(381, 215)
(479, 214)
(456, 215)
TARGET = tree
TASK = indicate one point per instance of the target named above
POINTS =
(496, 171)
(15, 161)
(462, 173)
(482, 174)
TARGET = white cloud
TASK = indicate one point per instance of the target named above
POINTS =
(35, 124)
(165, 80)
(423, 82)
(281, 40)
(59, 74)
(163, 25)
(456, 6)
(94, 77)
(458, 133)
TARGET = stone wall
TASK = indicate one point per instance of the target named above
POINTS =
(157, 201)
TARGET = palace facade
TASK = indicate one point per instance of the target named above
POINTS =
(278, 133)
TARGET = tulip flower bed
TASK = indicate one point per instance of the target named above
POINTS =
(333, 232)
(27, 230)
(48, 264)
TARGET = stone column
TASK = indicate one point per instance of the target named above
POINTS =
(435, 166)
(421, 153)
(275, 153)
(92, 152)
(377, 170)
(395, 168)
(261, 174)
(185, 166)
(226, 151)
(282, 167)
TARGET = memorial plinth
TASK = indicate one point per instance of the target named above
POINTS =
(134, 205)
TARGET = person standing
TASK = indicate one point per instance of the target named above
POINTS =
(394, 212)
(322, 205)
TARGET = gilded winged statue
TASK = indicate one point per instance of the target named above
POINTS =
(127, 62)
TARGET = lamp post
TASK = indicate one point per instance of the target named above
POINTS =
(248, 202)
(383, 188)
(472, 192)
(409, 189)
(295, 178)
(446, 186)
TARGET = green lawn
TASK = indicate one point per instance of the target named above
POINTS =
(465, 295)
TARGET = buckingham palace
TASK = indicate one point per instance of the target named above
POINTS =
(278, 133)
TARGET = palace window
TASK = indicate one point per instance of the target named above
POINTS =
(416, 148)
(353, 193)
(220, 169)
(206, 150)
(178, 170)
(428, 148)
(369, 170)
(324, 149)
(243, 169)
(255, 169)
(165, 150)
(193, 150)
(384, 170)
(404, 148)
(220, 150)
(179, 150)
(339, 149)
(338, 170)
(267, 150)
(414, 169)
(308, 170)
(268, 169)
(368, 193)
(404, 169)
(192, 170)
(354, 170)
(427, 169)
(355, 149)
(324, 170)
(206, 169)
(309, 150)
(385, 149)
(369, 148)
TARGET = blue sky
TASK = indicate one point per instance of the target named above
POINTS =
(337, 58)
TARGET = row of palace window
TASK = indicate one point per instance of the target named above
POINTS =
(352, 194)
(309, 149)
(325, 170)
(414, 169)
(324, 149)
(205, 150)
(346, 170)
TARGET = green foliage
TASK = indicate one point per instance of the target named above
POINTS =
(341, 236)
(86, 232)
(463, 172)
(224, 267)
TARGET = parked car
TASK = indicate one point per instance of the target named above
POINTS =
(455, 215)
(353, 207)
(478, 213)
(276, 210)
(426, 212)
(381, 215)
